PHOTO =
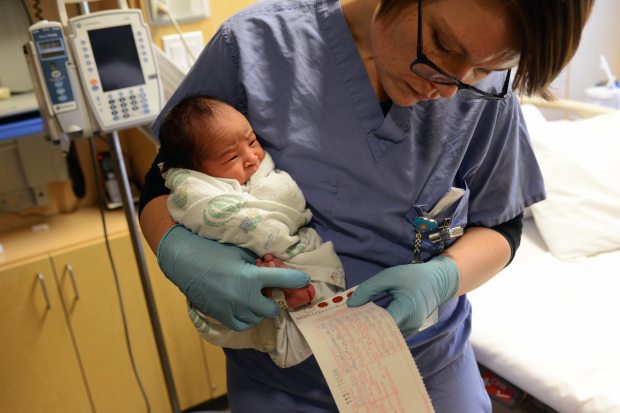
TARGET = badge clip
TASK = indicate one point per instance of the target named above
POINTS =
(446, 234)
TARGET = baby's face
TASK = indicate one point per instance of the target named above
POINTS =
(236, 153)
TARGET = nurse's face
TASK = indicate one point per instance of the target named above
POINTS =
(466, 38)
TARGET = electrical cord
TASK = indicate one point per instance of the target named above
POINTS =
(98, 185)
(162, 7)
(38, 10)
(76, 176)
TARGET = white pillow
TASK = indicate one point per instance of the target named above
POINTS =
(580, 162)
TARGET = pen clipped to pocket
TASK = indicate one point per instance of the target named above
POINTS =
(435, 226)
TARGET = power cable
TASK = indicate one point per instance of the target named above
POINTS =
(38, 11)
(162, 7)
(98, 185)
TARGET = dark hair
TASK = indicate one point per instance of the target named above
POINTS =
(182, 132)
(550, 33)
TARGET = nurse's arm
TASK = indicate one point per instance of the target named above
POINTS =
(479, 255)
(155, 221)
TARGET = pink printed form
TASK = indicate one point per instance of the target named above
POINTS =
(363, 357)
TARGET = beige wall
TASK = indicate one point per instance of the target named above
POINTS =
(601, 36)
(220, 11)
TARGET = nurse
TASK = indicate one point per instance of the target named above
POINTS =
(398, 121)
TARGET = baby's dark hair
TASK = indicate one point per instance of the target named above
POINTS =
(181, 131)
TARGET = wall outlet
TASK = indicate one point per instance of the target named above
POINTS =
(174, 49)
(182, 10)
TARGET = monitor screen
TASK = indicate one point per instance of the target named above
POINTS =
(52, 54)
(116, 57)
(49, 44)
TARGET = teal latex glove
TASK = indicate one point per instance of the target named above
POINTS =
(222, 280)
(416, 290)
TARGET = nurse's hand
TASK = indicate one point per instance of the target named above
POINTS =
(416, 290)
(222, 280)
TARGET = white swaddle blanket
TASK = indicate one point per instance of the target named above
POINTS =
(266, 215)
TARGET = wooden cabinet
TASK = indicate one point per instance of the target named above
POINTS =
(97, 317)
(198, 371)
(39, 368)
(64, 346)
(216, 368)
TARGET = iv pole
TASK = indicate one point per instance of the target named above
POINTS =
(130, 216)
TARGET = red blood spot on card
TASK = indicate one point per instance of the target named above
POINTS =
(337, 299)
(349, 294)
(322, 304)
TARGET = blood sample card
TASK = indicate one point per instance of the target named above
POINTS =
(363, 357)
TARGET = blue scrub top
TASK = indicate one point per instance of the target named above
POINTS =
(293, 69)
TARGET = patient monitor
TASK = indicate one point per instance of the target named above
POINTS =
(121, 83)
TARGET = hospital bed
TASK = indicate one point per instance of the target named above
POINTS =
(549, 323)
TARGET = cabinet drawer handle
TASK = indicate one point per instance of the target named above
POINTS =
(41, 279)
(69, 269)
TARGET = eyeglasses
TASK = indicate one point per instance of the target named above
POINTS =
(423, 67)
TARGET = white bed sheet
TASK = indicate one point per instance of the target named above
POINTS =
(552, 327)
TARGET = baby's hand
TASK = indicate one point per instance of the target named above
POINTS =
(270, 261)
(294, 297)
(298, 297)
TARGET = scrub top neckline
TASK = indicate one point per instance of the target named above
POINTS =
(350, 66)
(386, 106)
(381, 130)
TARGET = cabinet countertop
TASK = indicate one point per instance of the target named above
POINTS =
(57, 232)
